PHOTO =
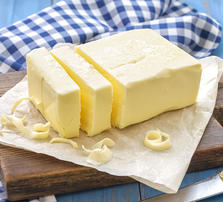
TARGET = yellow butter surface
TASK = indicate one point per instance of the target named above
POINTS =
(53, 92)
(149, 74)
(96, 91)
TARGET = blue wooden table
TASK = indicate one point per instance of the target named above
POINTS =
(14, 10)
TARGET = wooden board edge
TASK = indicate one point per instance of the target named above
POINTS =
(43, 188)
(213, 160)
(72, 179)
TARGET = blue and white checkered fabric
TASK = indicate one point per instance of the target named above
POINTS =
(78, 21)
(3, 196)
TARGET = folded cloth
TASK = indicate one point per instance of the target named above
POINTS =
(78, 21)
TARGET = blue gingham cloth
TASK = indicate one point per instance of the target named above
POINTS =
(78, 21)
(3, 196)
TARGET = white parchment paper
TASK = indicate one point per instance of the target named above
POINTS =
(161, 170)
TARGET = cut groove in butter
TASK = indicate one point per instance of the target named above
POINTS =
(149, 74)
(19, 124)
(64, 140)
(96, 91)
(53, 92)
(157, 140)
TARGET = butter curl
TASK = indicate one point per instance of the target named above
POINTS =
(157, 140)
(99, 153)
(64, 140)
(39, 131)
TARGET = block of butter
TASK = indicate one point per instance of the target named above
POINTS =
(96, 91)
(54, 93)
(149, 74)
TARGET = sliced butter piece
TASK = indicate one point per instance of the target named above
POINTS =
(149, 74)
(96, 91)
(53, 92)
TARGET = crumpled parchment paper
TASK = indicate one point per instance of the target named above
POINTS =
(161, 170)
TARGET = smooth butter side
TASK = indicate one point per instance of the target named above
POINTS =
(53, 92)
(96, 91)
(149, 74)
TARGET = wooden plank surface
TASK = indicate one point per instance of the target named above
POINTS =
(44, 175)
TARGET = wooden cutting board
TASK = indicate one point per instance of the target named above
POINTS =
(26, 174)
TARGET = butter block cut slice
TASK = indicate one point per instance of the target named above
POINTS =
(149, 74)
(96, 91)
(54, 93)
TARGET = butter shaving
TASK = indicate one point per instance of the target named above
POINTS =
(8, 123)
(86, 151)
(18, 102)
(41, 127)
(106, 141)
(6, 131)
(8, 120)
(100, 156)
(64, 140)
(41, 131)
(221, 175)
(157, 140)
(100, 153)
